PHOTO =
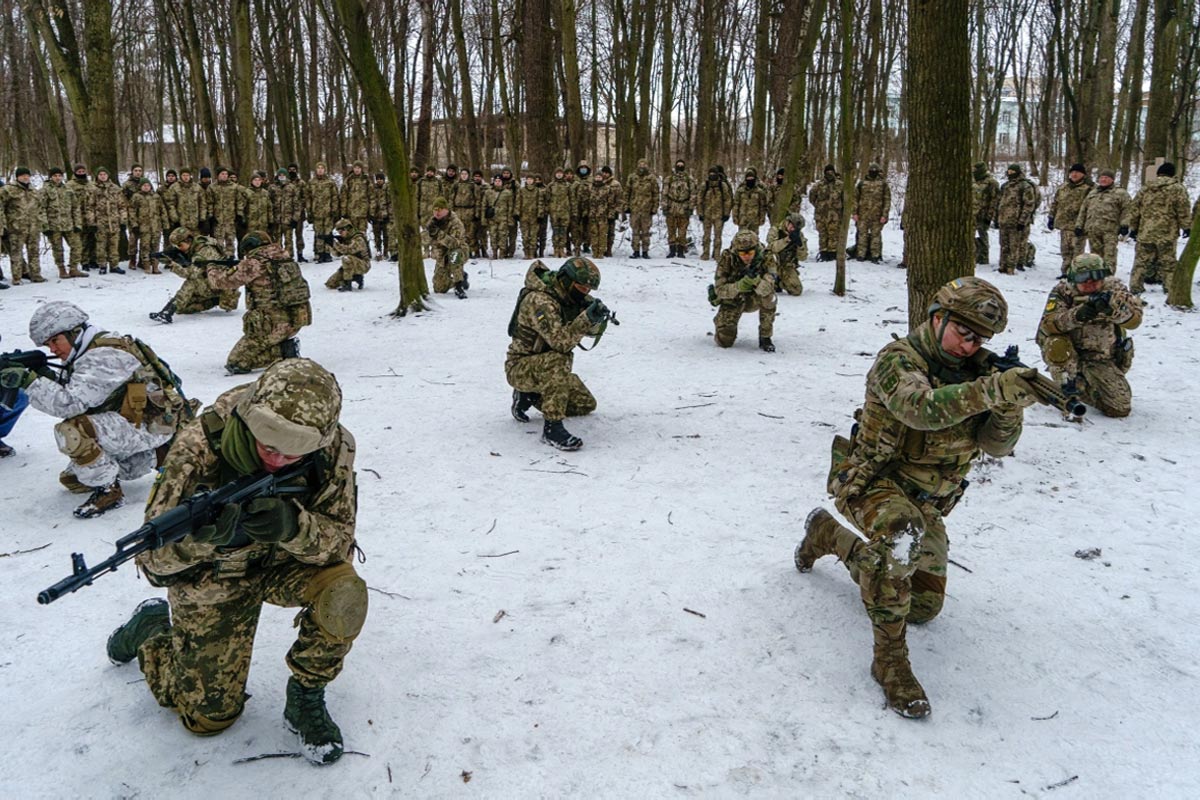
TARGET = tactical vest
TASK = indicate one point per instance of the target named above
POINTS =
(673, 184)
(525, 337)
(288, 287)
(153, 397)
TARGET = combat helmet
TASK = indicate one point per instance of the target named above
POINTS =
(975, 302)
(796, 218)
(1087, 267)
(293, 407)
(744, 241)
(179, 236)
(578, 269)
(254, 240)
(343, 224)
(53, 318)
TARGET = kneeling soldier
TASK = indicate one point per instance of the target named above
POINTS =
(745, 282)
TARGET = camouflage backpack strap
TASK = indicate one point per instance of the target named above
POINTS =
(213, 425)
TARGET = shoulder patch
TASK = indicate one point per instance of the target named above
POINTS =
(1051, 304)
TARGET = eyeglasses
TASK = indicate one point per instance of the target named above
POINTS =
(969, 336)
(744, 252)
(582, 288)
(1091, 275)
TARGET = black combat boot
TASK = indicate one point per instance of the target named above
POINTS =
(149, 619)
(521, 403)
(466, 284)
(300, 259)
(116, 269)
(307, 717)
(289, 348)
(166, 316)
(460, 291)
(359, 281)
(346, 286)
(765, 344)
(555, 435)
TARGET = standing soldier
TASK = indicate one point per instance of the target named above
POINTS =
(715, 203)
(185, 203)
(872, 204)
(63, 219)
(276, 189)
(195, 647)
(1064, 210)
(790, 248)
(355, 253)
(616, 205)
(206, 201)
(106, 212)
(479, 236)
(1160, 212)
(133, 183)
(1014, 211)
(277, 304)
(750, 204)
(25, 220)
(259, 208)
(323, 208)
(147, 218)
(597, 214)
(930, 410)
(381, 213)
(225, 202)
(987, 194)
(559, 193)
(581, 203)
(448, 241)
(773, 190)
(1082, 334)
(679, 196)
(498, 211)
(543, 213)
(83, 240)
(188, 256)
(552, 315)
(745, 282)
(296, 200)
(1103, 216)
(466, 201)
(828, 201)
(356, 196)
(527, 210)
(641, 202)
(429, 188)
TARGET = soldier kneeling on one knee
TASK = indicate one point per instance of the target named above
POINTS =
(745, 282)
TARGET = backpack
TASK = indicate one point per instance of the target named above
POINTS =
(154, 396)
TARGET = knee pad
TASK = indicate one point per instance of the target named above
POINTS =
(337, 597)
(207, 726)
(928, 592)
(725, 338)
(76, 438)
(1058, 351)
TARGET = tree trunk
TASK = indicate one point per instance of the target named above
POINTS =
(464, 77)
(666, 109)
(425, 117)
(706, 138)
(1126, 134)
(797, 161)
(199, 81)
(572, 102)
(1162, 79)
(758, 113)
(541, 130)
(1179, 293)
(846, 139)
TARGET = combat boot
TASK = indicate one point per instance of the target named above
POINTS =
(765, 344)
(74, 272)
(820, 536)
(62, 273)
(466, 284)
(5, 450)
(460, 291)
(103, 499)
(289, 348)
(521, 403)
(892, 671)
(555, 435)
(359, 281)
(166, 316)
(300, 259)
(346, 286)
(306, 716)
(116, 269)
(149, 619)
(72, 484)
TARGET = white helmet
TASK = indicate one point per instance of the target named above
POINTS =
(54, 318)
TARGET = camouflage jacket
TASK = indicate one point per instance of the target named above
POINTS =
(465, 198)
(642, 195)
(559, 199)
(1160, 211)
(500, 201)
(872, 198)
(356, 195)
(259, 209)
(679, 194)
(79, 190)
(1104, 210)
(715, 201)
(355, 252)
(544, 318)
(749, 207)
(186, 206)
(597, 202)
(293, 202)
(531, 203)
(730, 270)
(94, 375)
(130, 187)
(105, 207)
(148, 212)
(428, 190)
(381, 201)
(1064, 206)
(257, 272)
(448, 233)
(22, 211)
(60, 208)
(226, 199)
(326, 515)
(1093, 341)
(1018, 201)
(323, 200)
(987, 195)
(581, 198)
(826, 197)
(615, 196)
(787, 252)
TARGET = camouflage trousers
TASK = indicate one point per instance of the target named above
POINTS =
(828, 229)
(639, 222)
(381, 230)
(982, 243)
(291, 239)
(322, 226)
(479, 235)
(107, 247)
(106, 446)
(549, 374)
(1154, 260)
(1104, 244)
(598, 235)
(1101, 381)
(56, 240)
(23, 255)
(677, 230)
(1013, 239)
(498, 230)
(580, 234)
(349, 267)
(83, 247)
(711, 242)
(561, 237)
(529, 229)
(901, 568)
(445, 274)
(868, 239)
(194, 296)
(141, 245)
(262, 333)
(199, 667)
(789, 280)
(542, 228)
(1070, 245)
(225, 232)
(731, 311)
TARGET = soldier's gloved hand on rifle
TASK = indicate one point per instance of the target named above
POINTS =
(1011, 387)
(597, 312)
(222, 529)
(747, 283)
(1133, 235)
(1123, 230)
(1079, 231)
(270, 520)
(16, 377)
(1049, 223)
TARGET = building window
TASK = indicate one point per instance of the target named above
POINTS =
(1004, 139)
(1006, 118)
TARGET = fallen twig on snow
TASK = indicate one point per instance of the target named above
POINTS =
(391, 373)
(700, 405)
(697, 613)
(558, 471)
(373, 472)
(768, 416)
(1043, 719)
(1063, 783)
(263, 756)
(496, 555)
(23, 552)
(389, 594)
(669, 513)
(501, 614)
(489, 530)
(960, 566)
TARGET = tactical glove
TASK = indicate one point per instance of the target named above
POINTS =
(46, 234)
(222, 529)
(1079, 231)
(747, 284)
(16, 377)
(1185, 232)
(1011, 388)
(516, 217)
(1049, 223)
(270, 520)
(1123, 230)
(1133, 235)
(1087, 313)
(597, 312)
(996, 224)
(725, 218)
(701, 218)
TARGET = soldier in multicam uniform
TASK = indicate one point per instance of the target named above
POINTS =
(1064, 210)
(351, 245)
(597, 215)
(528, 208)
(62, 218)
(750, 204)
(25, 219)
(381, 214)
(930, 410)
(559, 200)
(479, 233)
(106, 213)
(679, 197)
(987, 193)
(1160, 213)
(429, 188)
(1082, 334)
(872, 204)
(295, 551)
(448, 241)
(1014, 211)
(323, 209)
(1103, 216)
(552, 315)
(258, 206)
(714, 203)
(498, 211)
(827, 199)
(615, 195)
(147, 218)
(190, 253)
(226, 198)
(117, 406)
(185, 202)
(81, 240)
(206, 201)
(641, 202)
(580, 204)
(745, 282)
(356, 196)
(295, 201)
(277, 304)
(788, 244)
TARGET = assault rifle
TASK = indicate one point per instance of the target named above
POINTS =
(1047, 391)
(172, 254)
(330, 238)
(171, 526)
(29, 359)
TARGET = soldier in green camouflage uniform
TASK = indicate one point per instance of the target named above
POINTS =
(106, 213)
(429, 188)
(641, 201)
(196, 294)
(323, 209)
(498, 211)
(185, 202)
(147, 218)
(466, 201)
(552, 315)
(714, 203)
(226, 198)
(745, 282)
(355, 253)
(356, 196)
(828, 201)
(1160, 212)
(1082, 334)
(259, 207)
(81, 240)
(277, 305)
(479, 236)
(1064, 210)
(788, 244)
(679, 197)
(750, 203)
(872, 205)
(1014, 212)
(581, 199)
(448, 241)
(597, 215)
(1103, 216)
(931, 409)
(615, 195)
(25, 219)
(559, 200)
(987, 194)
(294, 551)
(528, 207)
(277, 189)
(295, 201)
(63, 218)
(381, 214)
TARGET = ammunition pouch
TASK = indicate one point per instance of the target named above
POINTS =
(1123, 354)
(133, 406)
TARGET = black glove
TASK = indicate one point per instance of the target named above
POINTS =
(725, 218)
(516, 217)
(996, 224)
(702, 218)
(542, 220)
(1049, 223)
(46, 234)
(1185, 232)
(597, 312)
(1133, 235)
(223, 528)
(1086, 313)
(270, 520)
(1079, 231)
(122, 227)
(488, 213)
(1123, 230)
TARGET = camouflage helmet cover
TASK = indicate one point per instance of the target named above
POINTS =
(254, 240)
(53, 318)
(342, 224)
(796, 218)
(581, 270)
(293, 407)
(744, 241)
(975, 302)
(1087, 267)
(179, 236)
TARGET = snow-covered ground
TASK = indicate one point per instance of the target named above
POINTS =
(531, 629)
